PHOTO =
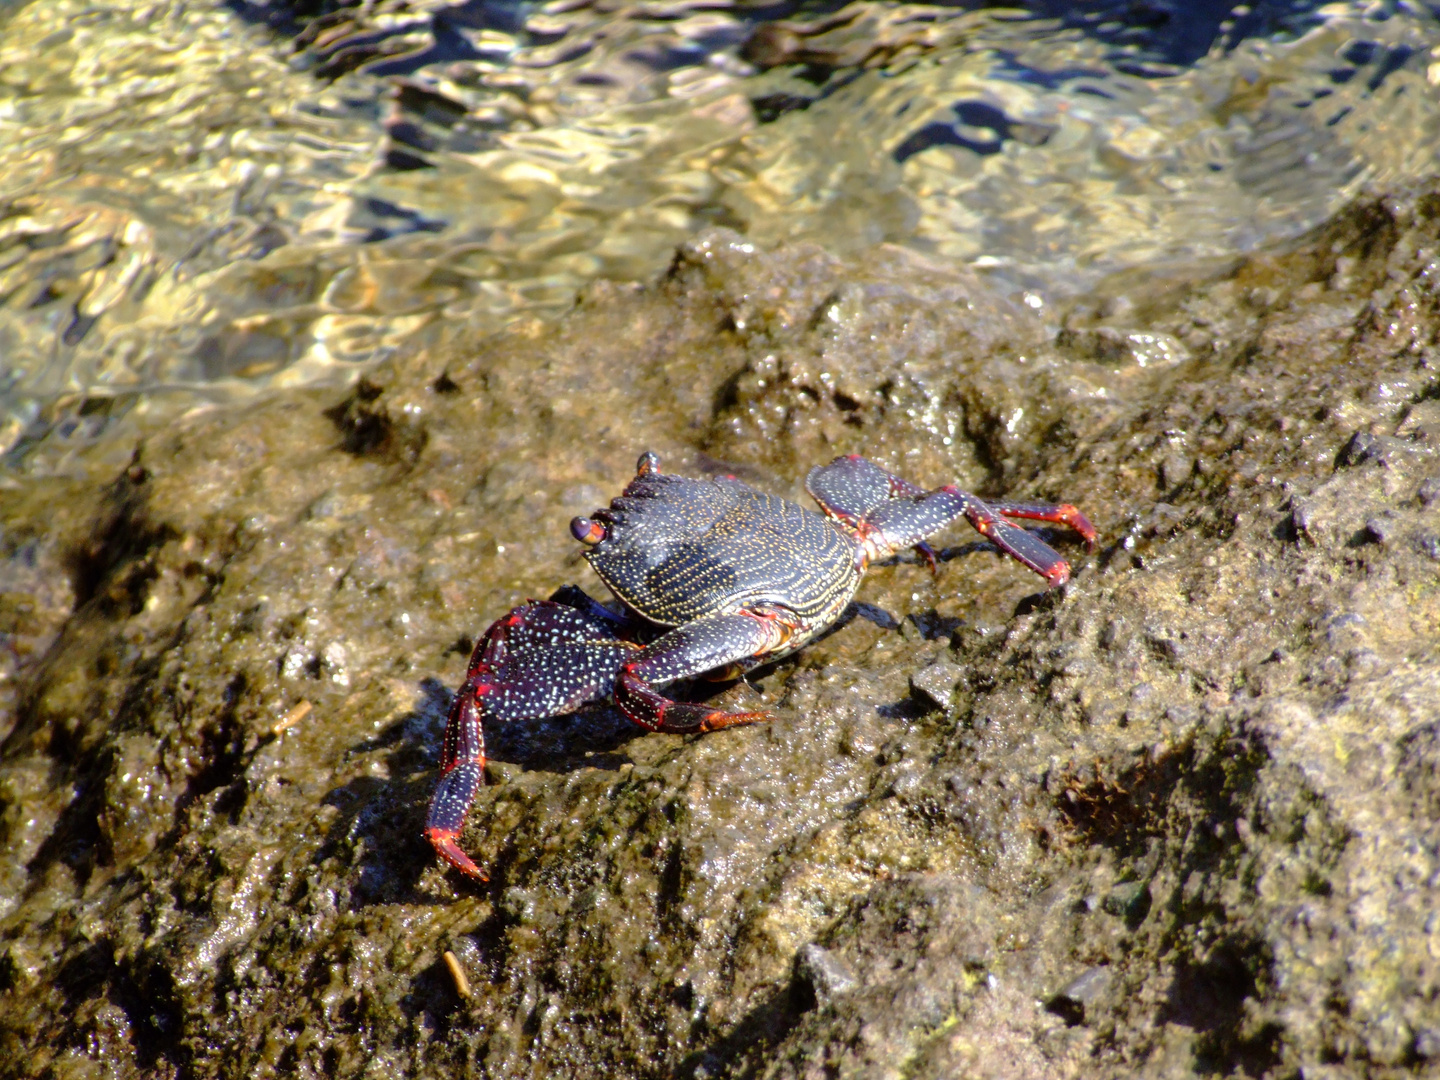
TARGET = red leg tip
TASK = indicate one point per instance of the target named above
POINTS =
(716, 720)
(1080, 523)
(445, 846)
(1058, 574)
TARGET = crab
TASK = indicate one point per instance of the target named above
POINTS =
(714, 579)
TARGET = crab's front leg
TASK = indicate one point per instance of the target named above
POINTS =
(542, 659)
(717, 641)
(887, 514)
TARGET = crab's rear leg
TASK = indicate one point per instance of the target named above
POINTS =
(462, 762)
(542, 659)
(741, 639)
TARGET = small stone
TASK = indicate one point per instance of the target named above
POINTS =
(1305, 519)
(937, 682)
(334, 660)
(825, 973)
(1130, 901)
(1362, 447)
(1081, 994)
(1088, 987)
(1427, 1043)
(294, 663)
(1175, 469)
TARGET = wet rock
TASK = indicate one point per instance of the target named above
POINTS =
(1203, 774)
(1123, 347)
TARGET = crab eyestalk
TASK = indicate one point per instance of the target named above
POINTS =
(587, 531)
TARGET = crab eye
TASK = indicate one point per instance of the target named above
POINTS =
(587, 531)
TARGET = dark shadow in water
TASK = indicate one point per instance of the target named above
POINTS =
(1146, 37)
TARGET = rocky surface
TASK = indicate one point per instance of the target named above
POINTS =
(1177, 818)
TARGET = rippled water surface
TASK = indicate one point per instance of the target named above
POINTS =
(201, 199)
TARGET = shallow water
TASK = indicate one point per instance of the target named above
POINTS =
(199, 201)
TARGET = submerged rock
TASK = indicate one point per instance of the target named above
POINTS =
(1206, 769)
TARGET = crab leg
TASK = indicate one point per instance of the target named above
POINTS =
(693, 649)
(887, 513)
(542, 659)
(462, 763)
(1063, 514)
(900, 524)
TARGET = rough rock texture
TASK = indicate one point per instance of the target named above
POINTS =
(1180, 817)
